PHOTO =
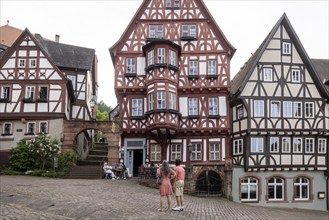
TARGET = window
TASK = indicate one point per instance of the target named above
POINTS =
(155, 31)
(168, 3)
(155, 152)
(322, 146)
(196, 152)
(297, 109)
(161, 55)
(274, 144)
(172, 100)
(275, 189)
(137, 107)
(295, 76)
(268, 74)
(213, 106)
(43, 127)
(29, 93)
(309, 145)
(43, 93)
(301, 189)
(73, 80)
(240, 113)
(275, 109)
(172, 57)
(151, 101)
(287, 109)
(21, 63)
(176, 151)
(249, 189)
(297, 145)
(150, 58)
(161, 100)
(237, 146)
(176, 3)
(286, 48)
(211, 67)
(214, 152)
(193, 106)
(31, 128)
(286, 145)
(131, 65)
(33, 62)
(194, 69)
(7, 129)
(309, 109)
(258, 108)
(5, 92)
(189, 30)
(257, 145)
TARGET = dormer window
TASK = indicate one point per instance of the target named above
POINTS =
(155, 31)
(286, 48)
(189, 32)
(130, 66)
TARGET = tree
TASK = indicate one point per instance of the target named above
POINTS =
(102, 111)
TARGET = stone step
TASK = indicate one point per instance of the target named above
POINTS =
(85, 172)
(98, 152)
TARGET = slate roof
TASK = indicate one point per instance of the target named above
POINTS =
(322, 68)
(68, 56)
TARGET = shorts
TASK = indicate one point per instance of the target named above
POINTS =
(179, 187)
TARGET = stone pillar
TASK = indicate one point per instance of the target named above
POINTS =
(228, 178)
(113, 143)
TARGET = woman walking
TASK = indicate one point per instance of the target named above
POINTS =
(165, 188)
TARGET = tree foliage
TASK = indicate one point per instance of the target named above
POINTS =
(21, 158)
(102, 111)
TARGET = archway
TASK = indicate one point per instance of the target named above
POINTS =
(209, 182)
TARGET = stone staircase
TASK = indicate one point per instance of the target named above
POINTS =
(92, 166)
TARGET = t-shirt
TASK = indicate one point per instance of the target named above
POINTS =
(180, 172)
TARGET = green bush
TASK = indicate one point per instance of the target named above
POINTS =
(67, 160)
(21, 158)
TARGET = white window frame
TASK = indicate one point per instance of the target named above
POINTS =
(213, 106)
(194, 68)
(287, 109)
(40, 127)
(168, 3)
(4, 128)
(161, 99)
(256, 144)
(309, 145)
(189, 30)
(275, 109)
(33, 63)
(155, 31)
(131, 65)
(268, 74)
(150, 58)
(298, 109)
(28, 128)
(151, 101)
(237, 146)
(137, 107)
(176, 151)
(295, 76)
(161, 55)
(275, 186)
(247, 187)
(300, 186)
(214, 151)
(172, 100)
(258, 108)
(30, 92)
(155, 152)
(297, 144)
(274, 144)
(5, 92)
(239, 112)
(309, 109)
(176, 3)
(286, 48)
(286, 145)
(21, 63)
(172, 57)
(322, 145)
(193, 106)
(212, 68)
(73, 79)
(196, 153)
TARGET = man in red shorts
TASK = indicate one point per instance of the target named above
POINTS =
(179, 185)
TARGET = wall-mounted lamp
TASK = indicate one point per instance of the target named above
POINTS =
(321, 195)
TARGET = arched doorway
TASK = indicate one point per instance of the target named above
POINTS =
(209, 183)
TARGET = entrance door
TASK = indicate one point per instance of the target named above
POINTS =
(138, 161)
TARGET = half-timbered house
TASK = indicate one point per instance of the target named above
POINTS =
(279, 109)
(44, 83)
(172, 81)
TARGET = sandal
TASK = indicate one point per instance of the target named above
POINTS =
(160, 210)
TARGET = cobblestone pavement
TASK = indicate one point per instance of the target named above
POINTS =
(26, 197)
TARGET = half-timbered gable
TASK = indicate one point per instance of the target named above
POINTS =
(279, 111)
(172, 83)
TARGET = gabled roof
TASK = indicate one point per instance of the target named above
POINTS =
(239, 81)
(8, 35)
(68, 56)
(202, 7)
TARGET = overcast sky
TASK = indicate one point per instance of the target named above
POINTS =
(99, 24)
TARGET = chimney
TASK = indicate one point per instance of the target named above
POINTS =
(57, 38)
